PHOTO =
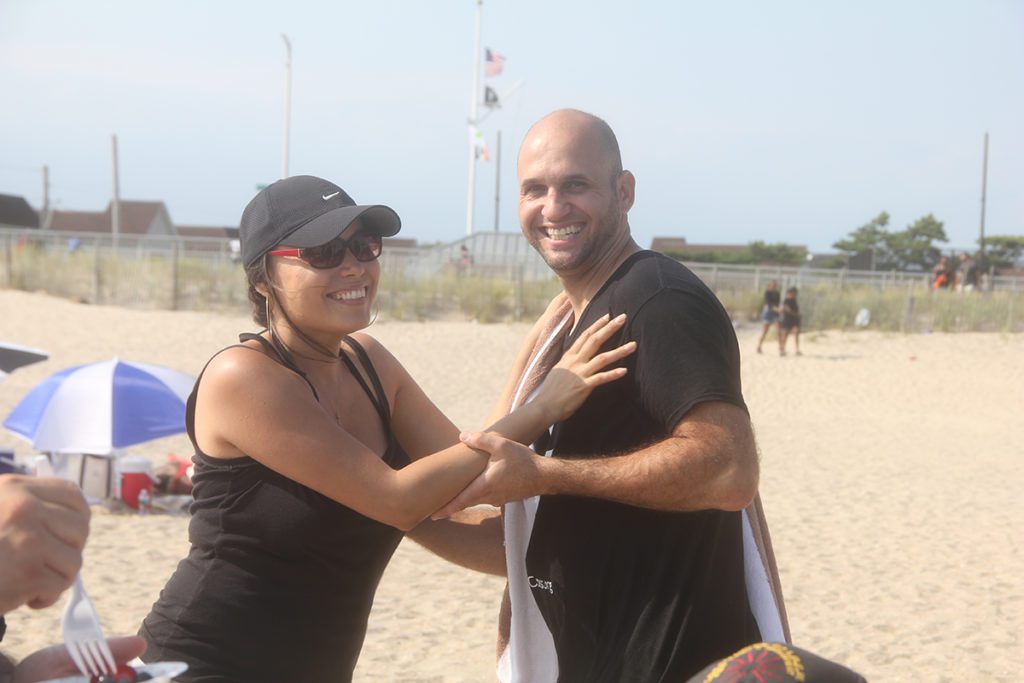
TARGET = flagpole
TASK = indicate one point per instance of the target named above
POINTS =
(497, 181)
(473, 114)
(287, 104)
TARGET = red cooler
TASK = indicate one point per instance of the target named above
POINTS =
(136, 475)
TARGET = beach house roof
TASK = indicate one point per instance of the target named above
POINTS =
(400, 242)
(680, 245)
(664, 244)
(220, 231)
(137, 218)
(713, 248)
(79, 221)
(14, 210)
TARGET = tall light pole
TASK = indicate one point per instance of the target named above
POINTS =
(115, 205)
(984, 182)
(287, 103)
(474, 103)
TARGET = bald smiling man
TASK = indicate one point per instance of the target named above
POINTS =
(634, 543)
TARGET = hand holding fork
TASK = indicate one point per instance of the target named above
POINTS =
(83, 636)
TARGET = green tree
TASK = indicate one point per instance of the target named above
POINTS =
(1005, 250)
(914, 248)
(780, 252)
(868, 238)
(756, 252)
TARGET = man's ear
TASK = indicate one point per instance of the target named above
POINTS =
(626, 187)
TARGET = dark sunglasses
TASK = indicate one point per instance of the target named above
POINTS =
(364, 246)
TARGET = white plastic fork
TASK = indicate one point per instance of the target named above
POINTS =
(83, 634)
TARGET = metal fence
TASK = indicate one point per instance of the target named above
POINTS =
(497, 276)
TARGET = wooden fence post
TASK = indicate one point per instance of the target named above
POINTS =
(96, 280)
(908, 314)
(174, 277)
(520, 306)
(9, 255)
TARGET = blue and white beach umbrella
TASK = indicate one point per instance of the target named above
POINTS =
(100, 407)
(14, 356)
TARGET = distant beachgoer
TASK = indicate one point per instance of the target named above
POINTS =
(941, 274)
(770, 312)
(967, 273)
(790, 322)
(314, 448)
(465, 262)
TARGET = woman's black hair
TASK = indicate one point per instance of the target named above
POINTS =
(256, 274)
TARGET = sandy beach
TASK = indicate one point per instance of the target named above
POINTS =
(891, 467)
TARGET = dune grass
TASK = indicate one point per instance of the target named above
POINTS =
(895, 309)
(165, 281)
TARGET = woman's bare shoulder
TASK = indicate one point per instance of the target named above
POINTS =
(248, 367)
(390, 370)
(377, 352)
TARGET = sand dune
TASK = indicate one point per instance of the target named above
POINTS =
(890, 471)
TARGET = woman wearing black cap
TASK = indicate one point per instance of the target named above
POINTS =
(311, 452)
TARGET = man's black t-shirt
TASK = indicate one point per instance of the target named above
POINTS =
(631, 594)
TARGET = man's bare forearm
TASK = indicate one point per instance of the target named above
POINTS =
(709, 462)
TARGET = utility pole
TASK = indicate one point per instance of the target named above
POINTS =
(115, 208)
(287, 102)
(984, 183)
(44, 212)
(497, 180)
(473, 116)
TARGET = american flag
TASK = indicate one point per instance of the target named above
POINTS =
(495, 62)
(476, 140)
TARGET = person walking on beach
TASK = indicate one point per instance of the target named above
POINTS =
(967, 275)
(314, 449)
(770, 312)
(633, 564)
(941, 274)
(790, 325)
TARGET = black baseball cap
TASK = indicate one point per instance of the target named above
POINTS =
(306, 211)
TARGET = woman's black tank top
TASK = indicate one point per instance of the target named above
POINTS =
(279, 581)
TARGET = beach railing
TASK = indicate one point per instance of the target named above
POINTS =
(503, 279)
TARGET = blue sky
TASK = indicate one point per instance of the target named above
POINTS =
(742, 120)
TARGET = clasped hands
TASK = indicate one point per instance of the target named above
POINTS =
(514, 471)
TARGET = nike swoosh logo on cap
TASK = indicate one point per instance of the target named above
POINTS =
(331, 196)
